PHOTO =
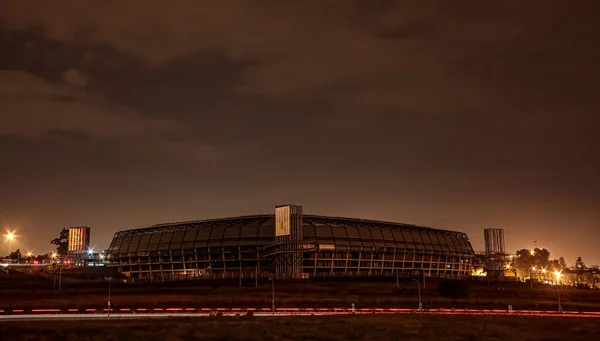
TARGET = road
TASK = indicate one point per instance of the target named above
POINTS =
(160, 313)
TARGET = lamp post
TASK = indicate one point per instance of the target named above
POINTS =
(420, 304)
(10, 236)
(558, 275)
(543, 276)
(531, 277)
(109, 289)
(273, 293)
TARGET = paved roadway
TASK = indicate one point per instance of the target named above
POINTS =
(123, 314)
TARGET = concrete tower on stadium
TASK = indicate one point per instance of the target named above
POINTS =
(288, 244)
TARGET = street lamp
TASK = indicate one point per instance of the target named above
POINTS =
(420, 304)
(558, 275)
(531, 277)
(544, 273)
(10, 236)
(109, 290)
(273, 293)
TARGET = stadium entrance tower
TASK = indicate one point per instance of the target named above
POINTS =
(495, 254)
(289, 247)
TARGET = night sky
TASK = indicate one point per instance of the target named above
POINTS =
(459, 115)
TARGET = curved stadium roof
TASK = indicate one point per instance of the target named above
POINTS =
(259, 230)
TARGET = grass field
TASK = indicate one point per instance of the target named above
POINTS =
(373, 328)
(301, 294)
(20, 291)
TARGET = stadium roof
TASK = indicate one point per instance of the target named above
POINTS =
(184, 225)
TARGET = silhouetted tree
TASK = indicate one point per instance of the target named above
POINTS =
(562, 262)
(555, 265)
(16, 255)
(41, 258)
(525, 260)
(579, 264)
(62, 242)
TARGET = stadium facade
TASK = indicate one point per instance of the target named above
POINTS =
(287, 244)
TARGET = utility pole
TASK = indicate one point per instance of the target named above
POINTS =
(59, 278)
(531, 278)
(560, 310)
(109, 289)
(420, 304)
(273, 293)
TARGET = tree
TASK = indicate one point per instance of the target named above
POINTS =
(16, 255)
(555, 265)
(41, 258)
(562, 263)
(579, 264)
(525, 261)
(62, 242)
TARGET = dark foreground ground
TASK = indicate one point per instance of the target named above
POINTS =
(20, 291)
(372, 328)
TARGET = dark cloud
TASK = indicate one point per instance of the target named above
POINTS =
(462, 114)
(32, 108)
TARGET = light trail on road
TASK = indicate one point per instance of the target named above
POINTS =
(165, 313)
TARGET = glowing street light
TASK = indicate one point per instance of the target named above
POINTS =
(29, 253)
(558, 275)
(532, 252)
(531, 277)
(10, 236)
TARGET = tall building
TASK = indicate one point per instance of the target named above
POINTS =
(79, 239)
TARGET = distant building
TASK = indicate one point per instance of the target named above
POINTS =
(79, 239)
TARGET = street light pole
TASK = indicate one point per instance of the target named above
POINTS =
(558, 274)
(10, 236)
(109, 289)
(559, 305)
(531, 278)
(273, 294)
(420, 304)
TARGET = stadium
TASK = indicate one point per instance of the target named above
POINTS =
(287, 244)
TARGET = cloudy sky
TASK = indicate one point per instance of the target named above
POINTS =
(459, 115)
